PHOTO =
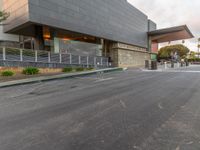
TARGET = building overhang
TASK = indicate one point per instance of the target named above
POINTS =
(171, 34)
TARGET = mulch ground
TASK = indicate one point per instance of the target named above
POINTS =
(22, 76)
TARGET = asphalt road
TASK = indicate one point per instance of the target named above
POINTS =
(131, 110)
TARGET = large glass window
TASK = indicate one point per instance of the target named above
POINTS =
(80, 47)
(69, 42)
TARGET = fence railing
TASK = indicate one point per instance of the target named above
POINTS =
(23, 55)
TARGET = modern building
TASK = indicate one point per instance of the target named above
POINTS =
(7, 39)
(110, 28)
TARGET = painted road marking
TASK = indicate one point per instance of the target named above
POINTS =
(160, 106)
(102, 80)
(122, 103)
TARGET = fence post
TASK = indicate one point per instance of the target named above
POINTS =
(70, 59)
(87, 61)
(49, 57)
(101, 61)
(36, 55)
(95, 61)
(60, 56)
(79, 59)
(4, 53)
(107, 62)
(21, 55)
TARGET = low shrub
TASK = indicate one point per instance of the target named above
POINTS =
(79, 69)
(67, 69)
(31, 71)
(7, 73)
(194, 60)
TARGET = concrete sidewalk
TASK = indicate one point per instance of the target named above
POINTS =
(55, 77)
(185, 69)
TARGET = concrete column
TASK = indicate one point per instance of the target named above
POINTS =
(149, 44)
(56, 45)
(39, 41)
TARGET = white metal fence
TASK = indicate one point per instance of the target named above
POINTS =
(23, 55)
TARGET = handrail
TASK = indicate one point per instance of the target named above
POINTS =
(28, 55)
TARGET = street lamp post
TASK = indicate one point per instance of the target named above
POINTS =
(198, 46)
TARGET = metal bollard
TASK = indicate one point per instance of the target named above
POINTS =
(165, 65)
(178, 64)
(172, 64)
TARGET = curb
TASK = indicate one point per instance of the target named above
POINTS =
(55, 77)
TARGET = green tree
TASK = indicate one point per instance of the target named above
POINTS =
(167, 51)
(3, 16)
(192, 55)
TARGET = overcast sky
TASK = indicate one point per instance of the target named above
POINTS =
(168, 13)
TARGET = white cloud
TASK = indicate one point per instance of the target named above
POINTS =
(167, 13)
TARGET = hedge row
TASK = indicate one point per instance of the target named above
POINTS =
(34, 71)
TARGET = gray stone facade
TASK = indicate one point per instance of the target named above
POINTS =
(124, 55)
